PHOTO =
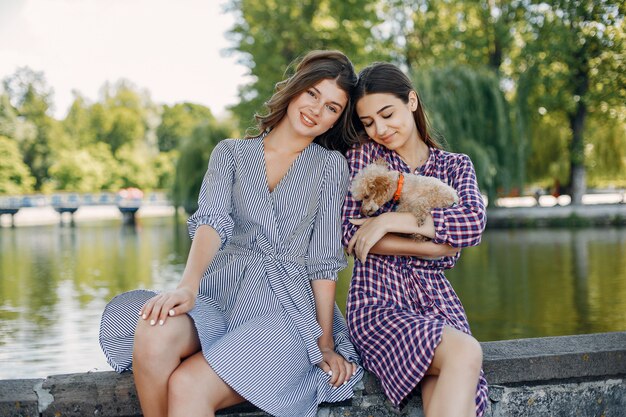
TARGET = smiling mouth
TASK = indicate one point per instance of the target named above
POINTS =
(387, 138)
(307, 121)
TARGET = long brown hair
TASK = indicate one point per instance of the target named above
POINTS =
(386, 78)
(314, 67)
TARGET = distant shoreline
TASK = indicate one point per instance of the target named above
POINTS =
(42, 216)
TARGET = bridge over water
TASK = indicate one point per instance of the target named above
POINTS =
(128, 201)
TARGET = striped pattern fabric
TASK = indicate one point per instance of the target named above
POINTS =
(397, 305)
(255, 312)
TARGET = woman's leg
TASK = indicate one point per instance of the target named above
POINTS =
(157, 352)
(456, 365)
(427, 386)
(196, 390)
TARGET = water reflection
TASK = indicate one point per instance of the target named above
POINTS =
(56, 280)
(529, 283)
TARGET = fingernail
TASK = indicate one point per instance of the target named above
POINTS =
(330, 373)
(161, 322)
(345, 382)
(152, 322)
(171, 312)
(143, 316)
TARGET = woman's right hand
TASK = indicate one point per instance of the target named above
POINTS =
(169, 303)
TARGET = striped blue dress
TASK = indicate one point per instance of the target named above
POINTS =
(255, 311)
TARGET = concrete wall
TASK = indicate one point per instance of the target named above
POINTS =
(555, 376)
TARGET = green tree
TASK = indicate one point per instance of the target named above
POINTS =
(606, 149)
(136, 168)
(78, 122)
(178, 121)
(426, 33)
(77, 170)
(125, 115)
(32, 99)
(270, 34)
(575, 51)
(192, 163)
(165, 169)
(15, 176)
(468, 108)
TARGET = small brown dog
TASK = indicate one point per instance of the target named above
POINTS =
(375, 185)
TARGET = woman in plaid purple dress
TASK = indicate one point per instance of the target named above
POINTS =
(404, 318)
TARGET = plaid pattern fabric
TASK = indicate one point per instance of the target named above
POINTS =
(397, 305)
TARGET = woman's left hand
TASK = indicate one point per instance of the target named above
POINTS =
(371, 230)
(335, 365)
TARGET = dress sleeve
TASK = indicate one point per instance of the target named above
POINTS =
(357, 160)
(214, 200)
(461, 225)
(325, 255)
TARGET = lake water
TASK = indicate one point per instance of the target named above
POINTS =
(56, 280)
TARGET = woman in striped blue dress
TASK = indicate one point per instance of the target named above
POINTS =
(254, 316)
(404, 317)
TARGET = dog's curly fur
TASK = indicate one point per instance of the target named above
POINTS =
(375, 185)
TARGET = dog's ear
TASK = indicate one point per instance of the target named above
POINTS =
(379, 188)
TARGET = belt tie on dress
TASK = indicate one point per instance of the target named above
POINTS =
(292, 289)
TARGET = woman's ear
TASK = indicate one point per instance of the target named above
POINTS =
(413, 100)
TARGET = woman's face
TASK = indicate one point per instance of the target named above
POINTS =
(387, 119)
(316, 109)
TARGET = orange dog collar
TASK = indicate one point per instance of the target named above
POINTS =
(396, 196)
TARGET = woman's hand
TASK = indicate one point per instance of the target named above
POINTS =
(336, 366)
(371, 230)
(169, 303)
(385, 226)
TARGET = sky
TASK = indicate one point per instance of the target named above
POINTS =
(175, 49)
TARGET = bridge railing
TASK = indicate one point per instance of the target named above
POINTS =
(75, 200)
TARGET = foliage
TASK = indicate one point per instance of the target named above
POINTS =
(550, 136)
(468, 108)
(192, 163)
(77, 170)
(268, 35)
(30, 97)
(178, 121)
(575, 49)
(424, 33)
(164, 165)
(15, 177)
(606, 150)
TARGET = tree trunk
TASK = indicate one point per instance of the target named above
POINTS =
(577, 176)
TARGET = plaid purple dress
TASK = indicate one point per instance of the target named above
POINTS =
(397, 305)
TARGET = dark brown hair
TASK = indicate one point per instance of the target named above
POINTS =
(314, 67)
(385, 78)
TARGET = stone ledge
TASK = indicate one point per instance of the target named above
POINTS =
(567, 375)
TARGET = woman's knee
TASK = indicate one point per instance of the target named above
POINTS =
(147, 343)
(474, 353)
(462, 349)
